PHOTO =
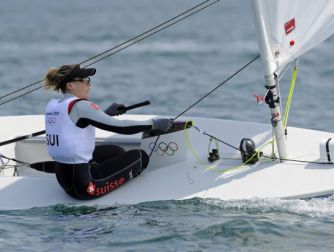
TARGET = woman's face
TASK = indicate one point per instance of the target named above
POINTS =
(79, 87)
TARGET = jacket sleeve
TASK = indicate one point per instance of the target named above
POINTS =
(84, 113)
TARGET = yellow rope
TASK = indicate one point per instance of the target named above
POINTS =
(257, 152)
(288, 103)
(214, 167)
(192, 149)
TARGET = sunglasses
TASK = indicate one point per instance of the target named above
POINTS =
(87, 80)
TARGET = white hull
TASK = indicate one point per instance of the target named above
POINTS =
(182, 180)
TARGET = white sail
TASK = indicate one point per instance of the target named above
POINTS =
(293, 27)
(287, 29)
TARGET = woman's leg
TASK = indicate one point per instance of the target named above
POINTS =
(104, 152)
(132, 162)
(78, 180)
(74, 179)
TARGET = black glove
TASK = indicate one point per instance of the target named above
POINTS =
(162, 124)
(115, 109)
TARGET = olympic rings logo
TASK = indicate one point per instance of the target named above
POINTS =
(51, 120)
(164, 148)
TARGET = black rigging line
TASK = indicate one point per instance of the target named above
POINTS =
(18, 90)
(300, 161)
(203, 97)
(214, 89)
(206, 95)
(152, 31)
(215, 138)
(197, 8)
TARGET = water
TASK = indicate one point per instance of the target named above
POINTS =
(189, 225)
(171, 69)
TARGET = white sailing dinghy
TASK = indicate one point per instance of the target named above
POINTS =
(293, 165)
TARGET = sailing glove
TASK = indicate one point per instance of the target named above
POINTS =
(162, 125)
(115, 109)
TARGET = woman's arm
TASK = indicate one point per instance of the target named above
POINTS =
(84, 113)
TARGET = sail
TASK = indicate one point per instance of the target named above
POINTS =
(289, 28)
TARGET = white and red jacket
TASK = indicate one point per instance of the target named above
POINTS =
(70, 134)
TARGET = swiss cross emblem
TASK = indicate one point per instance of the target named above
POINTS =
(91, 188)
(94, 106)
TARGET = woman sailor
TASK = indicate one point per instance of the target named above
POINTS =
(83, 170)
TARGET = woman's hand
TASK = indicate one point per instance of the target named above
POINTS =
(115, 109)
(162, 124)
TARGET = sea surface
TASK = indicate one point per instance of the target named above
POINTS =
(172, 69)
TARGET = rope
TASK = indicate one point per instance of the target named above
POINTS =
(214, 167)
(103, 55)
(297, 160)
(151, 31)
(193, 151)
(203, 97)
(28, 92)
(221, 84)
(257, 153)
(288, 103)
(15, 160)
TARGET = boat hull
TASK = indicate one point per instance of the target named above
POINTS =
(224, 179)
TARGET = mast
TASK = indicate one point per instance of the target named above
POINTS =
(272, 98)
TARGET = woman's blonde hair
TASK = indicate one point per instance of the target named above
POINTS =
(55, 78)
